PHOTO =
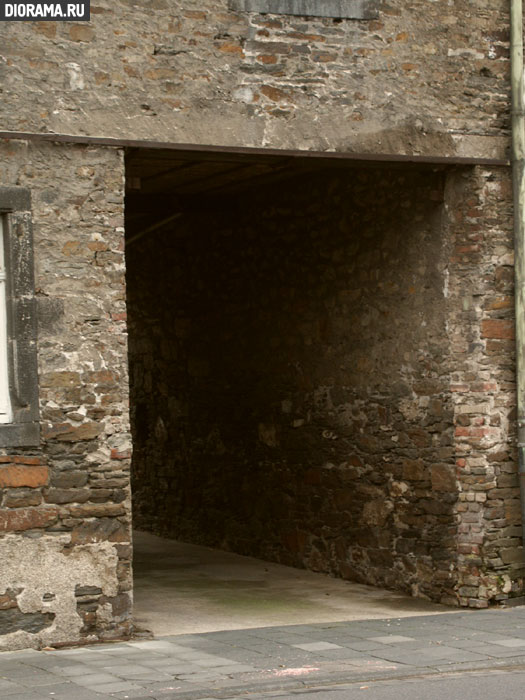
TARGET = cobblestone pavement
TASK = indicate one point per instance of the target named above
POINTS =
(229, 664)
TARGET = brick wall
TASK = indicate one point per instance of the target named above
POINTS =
(481, 327)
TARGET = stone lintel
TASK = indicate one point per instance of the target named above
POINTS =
(340, 9)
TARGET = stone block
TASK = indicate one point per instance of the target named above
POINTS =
(443, 478)
(340, 9)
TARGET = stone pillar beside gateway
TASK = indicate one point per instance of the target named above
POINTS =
(65, 542)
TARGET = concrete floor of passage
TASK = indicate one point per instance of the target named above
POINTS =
(183, 588)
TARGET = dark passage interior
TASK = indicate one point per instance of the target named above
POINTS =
(288, 361)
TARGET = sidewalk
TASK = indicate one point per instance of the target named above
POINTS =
(228, 664)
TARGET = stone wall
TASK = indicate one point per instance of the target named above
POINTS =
(290, 391)
(64, 506)
(481, 327)
(425, 77)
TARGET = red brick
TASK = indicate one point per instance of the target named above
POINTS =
(26, 518)
(15, 477)
(459, 388)
(497, 328)
(21, 459)
(115, 454)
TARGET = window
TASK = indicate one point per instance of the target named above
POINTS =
(339, 9)
(6, 415)
(19, 414)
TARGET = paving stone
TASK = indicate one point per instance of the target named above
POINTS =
(365, 646)
(65, 691)
(159, 644)
(96, 679)
(501, 652)
(463, 656)
(28, 695)
(76, 670)
(201, 677)
(235, 668)
(371, 664)
(392, 639)
(174, 669)
(337, 654)
(159, 688)
(511, 643)
(115, 687)
(7, 687)
(29, 677)
(214, 661)
(317, 646)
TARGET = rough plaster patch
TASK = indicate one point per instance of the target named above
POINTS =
(76, 79)
(40, 567)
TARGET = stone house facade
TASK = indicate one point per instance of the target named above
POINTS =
(260, 276)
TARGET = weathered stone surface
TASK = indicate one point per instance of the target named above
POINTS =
(69, 479)
(19, 498)
(102, 530)
(443, 478)
(77, 201)
(67, 495)
(92, 510)
(8, 599)
(15, 621)
(341, 9)
(72, 433)
(393, 83)
(42, 567)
